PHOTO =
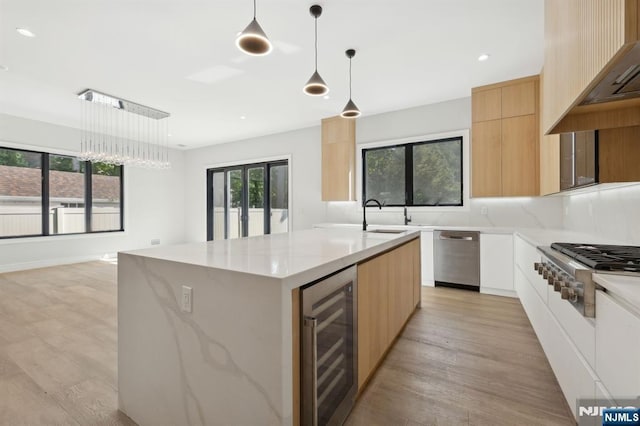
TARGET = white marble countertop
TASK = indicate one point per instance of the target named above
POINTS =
(624, 287)
(295, 258)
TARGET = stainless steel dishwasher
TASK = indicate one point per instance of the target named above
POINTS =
(456, 259)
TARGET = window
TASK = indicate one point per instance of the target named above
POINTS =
(44, 194)
(247, 200)
(427, 173)
(20, 193)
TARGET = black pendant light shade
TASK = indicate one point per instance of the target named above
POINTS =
(253, 40)
(350, 110)
(315, 85)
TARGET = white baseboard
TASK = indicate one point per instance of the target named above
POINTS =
(498, 292)
(428, 283)
(48, 262)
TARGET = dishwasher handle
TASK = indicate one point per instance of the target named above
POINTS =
(457, 235)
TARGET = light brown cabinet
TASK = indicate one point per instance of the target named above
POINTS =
(504, 139)
(582, 40)
(388, 293)
(619, 154)
(338, 159)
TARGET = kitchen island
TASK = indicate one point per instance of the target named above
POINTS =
(232, 359)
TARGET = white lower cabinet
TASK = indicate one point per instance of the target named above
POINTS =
(617, 347)
(575, 375)
(426, 250)
(496, 264)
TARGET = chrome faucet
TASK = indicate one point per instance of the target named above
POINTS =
(364, 211)
(407, 219)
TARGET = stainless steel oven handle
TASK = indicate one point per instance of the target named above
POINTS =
(311, 325)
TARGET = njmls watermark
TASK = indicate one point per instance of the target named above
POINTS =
(596, 412)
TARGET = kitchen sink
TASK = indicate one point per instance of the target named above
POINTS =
(387, 231)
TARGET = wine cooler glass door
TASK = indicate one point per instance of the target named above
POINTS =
(329, 349)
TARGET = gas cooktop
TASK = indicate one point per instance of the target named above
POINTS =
(603, 257)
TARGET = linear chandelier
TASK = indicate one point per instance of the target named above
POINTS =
(117, 131)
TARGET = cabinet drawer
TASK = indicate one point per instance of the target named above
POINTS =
(576, 378)
(617, 347)
(526, 255)
(580, 329)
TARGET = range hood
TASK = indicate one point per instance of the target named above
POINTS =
(622, 82)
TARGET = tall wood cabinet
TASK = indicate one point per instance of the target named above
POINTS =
(505, 139)
(388, 293)
(338, 159)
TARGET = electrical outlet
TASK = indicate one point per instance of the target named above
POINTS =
(155, 241)
(484, 210)
(187, 299)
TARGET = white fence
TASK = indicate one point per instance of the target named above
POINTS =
(279, 222)
(27, 220)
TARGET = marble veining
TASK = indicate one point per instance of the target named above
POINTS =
(220, 364)
(223, 360)
(608, 212)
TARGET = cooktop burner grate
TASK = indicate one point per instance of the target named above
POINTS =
(603, 257)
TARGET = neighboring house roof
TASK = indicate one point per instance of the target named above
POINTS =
(25, 182)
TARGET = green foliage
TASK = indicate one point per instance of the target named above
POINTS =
(437, 173)
(385, 175)
(105, 169)
(15, 158)
(63, 164)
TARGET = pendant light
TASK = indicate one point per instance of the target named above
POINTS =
(253, 41)
(350, 110)
(316, 85)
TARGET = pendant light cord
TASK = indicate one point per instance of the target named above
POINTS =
(316, 26)
(349, 78)
(254, 9)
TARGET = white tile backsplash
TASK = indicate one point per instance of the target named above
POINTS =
(529, 212)
(613, 213)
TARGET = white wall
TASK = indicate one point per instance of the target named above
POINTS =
(611, 213)
(153, 204)
(303, 147)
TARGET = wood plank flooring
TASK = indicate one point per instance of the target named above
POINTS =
(463, 359)
(58, 346)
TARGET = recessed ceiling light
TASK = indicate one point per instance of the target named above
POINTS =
(326, 96)
(4, 68)
(242, 117)
(25, 32)
(483, 57)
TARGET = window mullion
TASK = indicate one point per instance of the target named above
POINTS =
(210, 217)
(408, 174)
(88, 196)
(45, 193)
(267, 198)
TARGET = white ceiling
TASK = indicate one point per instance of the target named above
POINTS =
(179, 56)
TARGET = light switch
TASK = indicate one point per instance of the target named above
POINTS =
(187, 299)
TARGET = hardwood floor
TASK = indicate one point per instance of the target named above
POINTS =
(58, 343)
(463, 359)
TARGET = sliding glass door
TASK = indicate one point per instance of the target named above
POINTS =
(247, 200)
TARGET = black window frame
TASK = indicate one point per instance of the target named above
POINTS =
(408, 171)
(267, 165)
(88, 197)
